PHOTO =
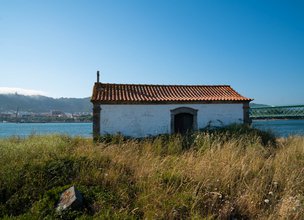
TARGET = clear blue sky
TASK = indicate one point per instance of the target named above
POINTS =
(56, 46)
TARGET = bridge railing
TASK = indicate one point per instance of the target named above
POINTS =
(277, 112)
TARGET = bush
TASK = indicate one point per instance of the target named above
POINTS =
(237, 131)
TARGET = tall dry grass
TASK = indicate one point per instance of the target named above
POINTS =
(207, 175)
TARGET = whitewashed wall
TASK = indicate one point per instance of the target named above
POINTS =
(145, 120)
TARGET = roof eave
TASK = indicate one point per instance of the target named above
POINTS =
(171, 102)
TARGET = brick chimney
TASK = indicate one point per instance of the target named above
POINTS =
(98, 76)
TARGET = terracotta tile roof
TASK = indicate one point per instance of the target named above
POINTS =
(140, 93)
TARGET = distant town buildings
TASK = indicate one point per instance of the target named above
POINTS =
(52, 116)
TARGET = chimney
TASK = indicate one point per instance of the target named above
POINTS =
(98, 76)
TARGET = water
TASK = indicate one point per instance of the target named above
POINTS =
(26, 129)
(281, 128)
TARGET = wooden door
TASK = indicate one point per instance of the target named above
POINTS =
(183, 123)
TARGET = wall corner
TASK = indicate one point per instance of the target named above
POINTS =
(246, 118)
(96, 121)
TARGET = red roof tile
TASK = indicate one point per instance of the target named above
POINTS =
(139, 93)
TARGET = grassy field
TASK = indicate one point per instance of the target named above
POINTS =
(229, 173)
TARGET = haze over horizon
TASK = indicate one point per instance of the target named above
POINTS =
(21, 91)
(55, 47)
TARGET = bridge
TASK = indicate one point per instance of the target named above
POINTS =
(277, 112)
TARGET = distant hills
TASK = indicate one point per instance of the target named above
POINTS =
(40, 104)
(255, 105)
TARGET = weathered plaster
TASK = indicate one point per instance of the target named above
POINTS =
(145, 120)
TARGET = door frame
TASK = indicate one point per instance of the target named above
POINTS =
(180, 110)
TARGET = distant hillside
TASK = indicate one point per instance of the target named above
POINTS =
(40, 104)
(255, 105)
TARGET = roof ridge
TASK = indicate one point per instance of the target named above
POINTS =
(138, 84)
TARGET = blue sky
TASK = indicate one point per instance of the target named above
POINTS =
(56, 46)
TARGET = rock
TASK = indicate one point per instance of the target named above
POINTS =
(70, 199)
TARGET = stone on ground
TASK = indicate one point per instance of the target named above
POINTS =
(70, 199)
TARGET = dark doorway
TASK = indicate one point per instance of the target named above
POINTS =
(183, 123)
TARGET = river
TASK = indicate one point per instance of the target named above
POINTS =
(26, 129)
(281, 128)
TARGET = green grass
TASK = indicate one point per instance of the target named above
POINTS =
(233, 172)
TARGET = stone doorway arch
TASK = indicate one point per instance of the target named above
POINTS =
(183, 119)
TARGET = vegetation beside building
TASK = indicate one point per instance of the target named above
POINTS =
(233, 172)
